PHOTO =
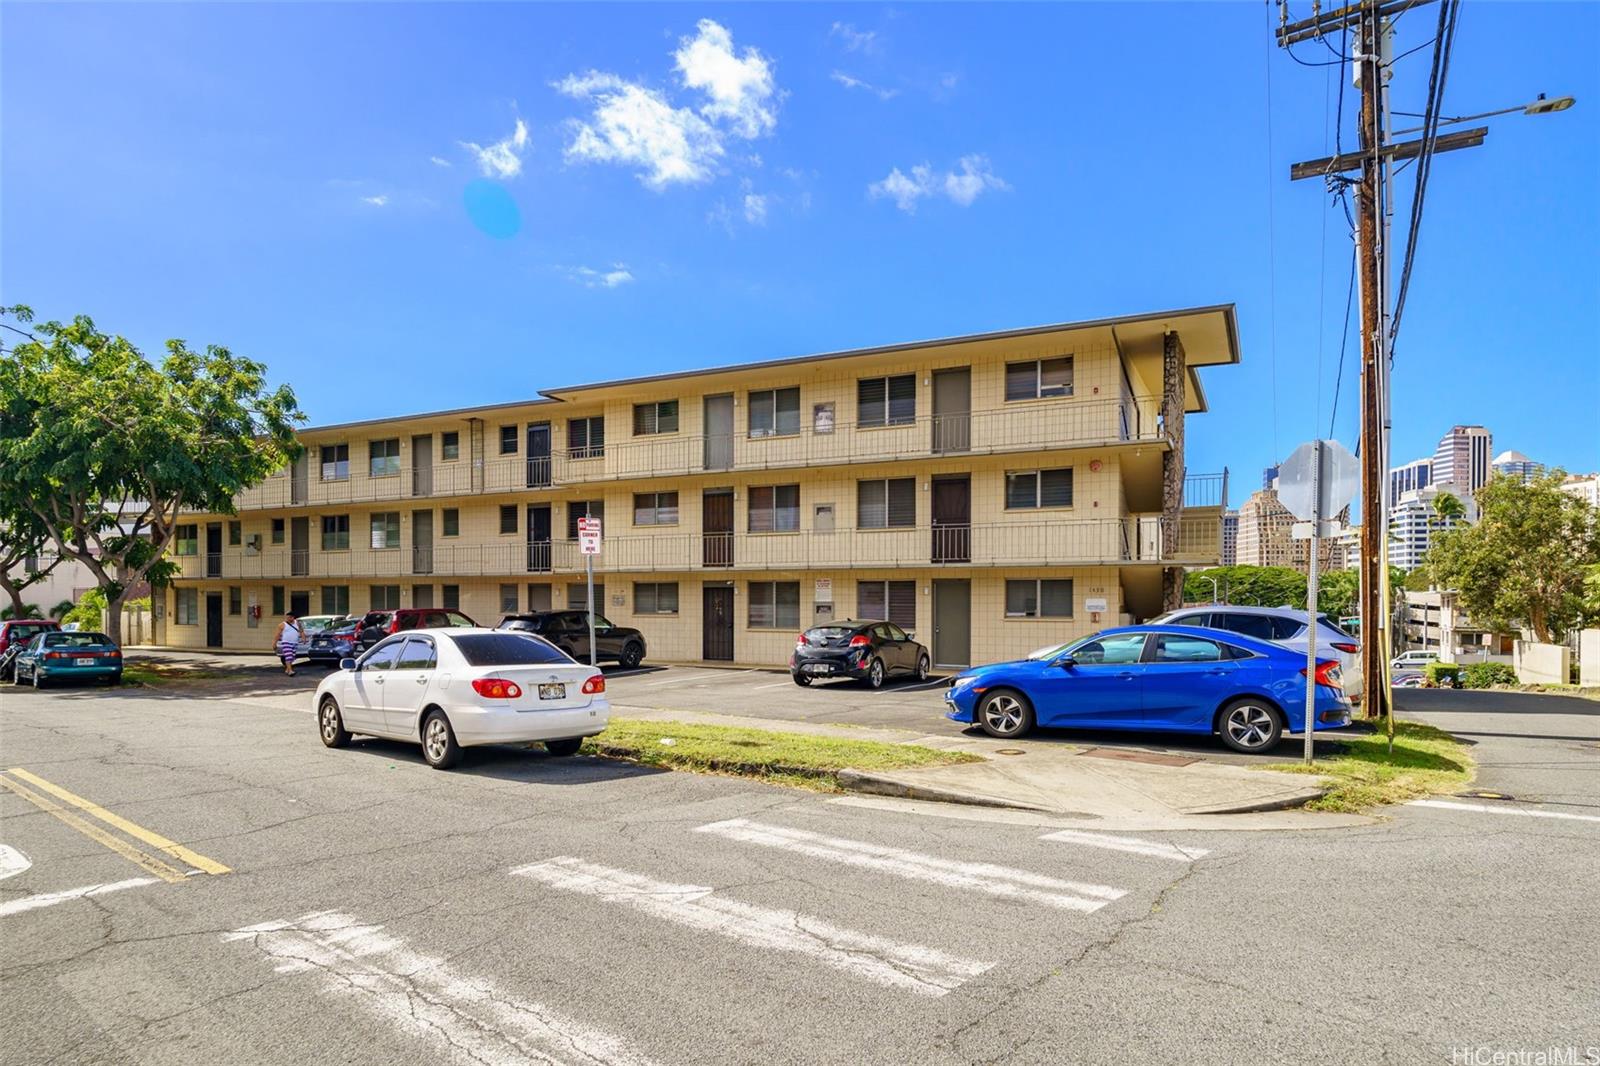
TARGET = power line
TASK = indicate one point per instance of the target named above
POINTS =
(1344, 336)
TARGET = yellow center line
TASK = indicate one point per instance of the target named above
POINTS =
(95, 833)
(138, 832)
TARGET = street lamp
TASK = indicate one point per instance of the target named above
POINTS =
(1542, 106)
(1215, 598)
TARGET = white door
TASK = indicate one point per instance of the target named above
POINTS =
(405, 689)
(363, 712)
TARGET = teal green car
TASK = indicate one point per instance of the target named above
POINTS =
(68, 656)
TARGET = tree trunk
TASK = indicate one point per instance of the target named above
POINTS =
(15, 592)
(114, 617)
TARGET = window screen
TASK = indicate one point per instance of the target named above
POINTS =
(652, 418)
(774, 508)
(893, 601)
(775, 412)
(655, 598)
(586, 437)
(774, 604)
(890, 401)
(891, 503)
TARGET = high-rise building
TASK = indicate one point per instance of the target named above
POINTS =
(1515, 464)
(1585, 487)
(1462, 458)
(1263, 537)
(1230, 538)
(1415, 519)
(1269, 476)
(1409, 478)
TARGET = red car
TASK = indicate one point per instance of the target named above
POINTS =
(16, 632)
(375, 625)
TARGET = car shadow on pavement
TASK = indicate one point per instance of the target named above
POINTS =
(1492, 701)
(511, 762)
(1207, 748)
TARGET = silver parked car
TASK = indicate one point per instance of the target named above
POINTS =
(1281, 625)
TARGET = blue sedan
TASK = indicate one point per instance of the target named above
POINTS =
(1178, 679)
(68, 656)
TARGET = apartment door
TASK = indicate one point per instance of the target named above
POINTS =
(297, 480)
(952, 623)
(717, 641)
(538, 455)
(539, 535)
(299, 604)
(422, 596)
(952, 519)
(421, 543)
(214, 549)
(716, 524)
(538, 597)
(952, 410)
(299, 547)
(422, 465)
(213, 619)
(719, 432)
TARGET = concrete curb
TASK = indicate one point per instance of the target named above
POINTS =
(873, 785)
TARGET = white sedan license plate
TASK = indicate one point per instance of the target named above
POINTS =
(84, 662)
(553, 692)
(819, 668)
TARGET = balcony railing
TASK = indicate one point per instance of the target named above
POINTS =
(1026, 427)
(1088, 542)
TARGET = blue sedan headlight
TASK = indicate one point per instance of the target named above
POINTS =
(963, 681)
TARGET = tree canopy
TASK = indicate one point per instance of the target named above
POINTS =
(1525, 561)
(106, 449)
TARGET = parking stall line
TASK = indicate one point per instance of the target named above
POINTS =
(1481, 808)
(138, 832)
(983, 877)
(908, 967)
(428, 997)
(148, 863)
(50, 899)
(1155, 849)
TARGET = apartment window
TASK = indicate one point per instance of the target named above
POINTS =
(383, 457)
(508, 518)
(277, 531)
(235, 533)
(336, 599)
(384, 597)
(774, 604)
(277, 601)
(887, 401)
(655, 508)
(386, 530)
(1039, 599)
(652, 418)
(578, 597)
(187, 607)
(335, 532)
(335, 462)
(583, 509)
(450, 445)
(508, 440)
(1039, 378)
(235, 599)
(659, 597)
(775, 412)
(891, 601)
(186, 539)
(1038, 488)
(450, 522)
(508, 599)
(774, 509)
(887, 504)
(586, 437)
(452, 597)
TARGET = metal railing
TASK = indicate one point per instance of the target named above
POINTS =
(1115, 541)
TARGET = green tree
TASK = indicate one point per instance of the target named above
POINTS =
(1339, 593)
(1525, 560)
(107, 449)
(1248, 586)
(25, 555)
(1447, 508)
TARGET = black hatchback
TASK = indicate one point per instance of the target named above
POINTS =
(569, 631)
(867, 651)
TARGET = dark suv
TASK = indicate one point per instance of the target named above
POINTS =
(375, 625)
(569, 631)
(16, 633)
(866, 651)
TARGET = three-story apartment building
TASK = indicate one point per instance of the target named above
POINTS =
(991, 493)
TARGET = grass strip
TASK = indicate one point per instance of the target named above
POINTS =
(800, 760)
(1426, 761)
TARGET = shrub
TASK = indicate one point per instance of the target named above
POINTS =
(87, 612)
(1435, 674)
(1487, 675)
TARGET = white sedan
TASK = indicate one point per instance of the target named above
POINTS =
(453, 688)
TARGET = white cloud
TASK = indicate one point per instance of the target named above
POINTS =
(503, 158)
(637, 126)
(850, 82)
(740, 88)
(962, 187)
(619, 274)
(854, 40)
(755, 209)
(438, 162)
(376, 201)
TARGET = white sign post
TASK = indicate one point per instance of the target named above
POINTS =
(1316, 482)
(589, 545)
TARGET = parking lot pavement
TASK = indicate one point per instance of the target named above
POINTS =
(533, 909)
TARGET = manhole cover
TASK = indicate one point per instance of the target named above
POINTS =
(1149, 757)
(1009, 751)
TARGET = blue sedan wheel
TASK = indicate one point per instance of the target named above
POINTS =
(1005, 713)
(1251, 726)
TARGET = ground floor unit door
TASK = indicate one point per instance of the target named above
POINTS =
(213, 619)
(717, 641)
(952, 623)
(299, 604)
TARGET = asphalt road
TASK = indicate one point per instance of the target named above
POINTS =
(530, 909)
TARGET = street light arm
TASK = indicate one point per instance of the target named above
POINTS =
(1541, 106)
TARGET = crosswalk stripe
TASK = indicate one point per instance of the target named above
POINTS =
(977, 876)
(925, 971)
(50, 899)
(475, 1020)
(1482, 808)
(1156, 849)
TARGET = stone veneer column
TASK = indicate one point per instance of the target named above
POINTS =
(1174, 371)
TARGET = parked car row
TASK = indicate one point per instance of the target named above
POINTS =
(54, 655)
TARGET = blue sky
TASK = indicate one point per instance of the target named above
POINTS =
(679, 186)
